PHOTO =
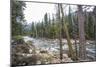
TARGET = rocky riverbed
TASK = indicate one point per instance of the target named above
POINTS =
(46, 51)
(52, 45)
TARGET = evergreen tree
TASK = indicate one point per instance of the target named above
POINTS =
(17, 17)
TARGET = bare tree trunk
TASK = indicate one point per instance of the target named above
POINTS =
(71, 51)
(60, 27)
(75, 36)
(82, 46)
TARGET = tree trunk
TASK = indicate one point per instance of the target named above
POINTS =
(60, 27)
(71, 51)
(82, 46)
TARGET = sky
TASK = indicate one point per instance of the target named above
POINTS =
(36, 11)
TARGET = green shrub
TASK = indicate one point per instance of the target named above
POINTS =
(18, 39)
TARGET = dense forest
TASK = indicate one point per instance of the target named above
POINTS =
(77, 28)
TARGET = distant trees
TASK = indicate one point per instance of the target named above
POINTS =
(33, 30)
(46, 24)
(47, 28)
